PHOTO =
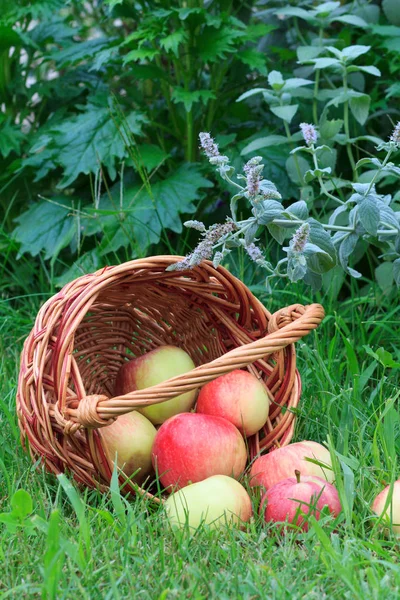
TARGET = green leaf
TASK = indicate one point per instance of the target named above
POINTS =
(271, 209)
(21, 504)
(294, 11)
(78, 51)
(149, 156)
(368, 212)
(323, 63)
(307, 53)
(346, 247)
(299, 210)
(54, 228)
(391, 10)
(103, 57)
(90, 139)
(11, 138)
(264, 142)
(89, 262)
(275, 80)
(384, 276)
(215, 44)
(286, 113)
(396, 271)
(254, 59)
(320, 263)
(146, 214)
(353, 52)
(278, 233)
(179, 94)
(296, 82)
(328, 129)
(250, 93)
(351, 20)
(173, 41)
(141, 54)
(371, 70)
(296, 167)
(359, 106)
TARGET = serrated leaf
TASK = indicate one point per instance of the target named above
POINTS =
(173, 41)
(78, 51)
(11, 138)
(368, 212)
(215, 44)
(84, 142)
(141, 54)
(286, 113)
(150, 156)
(54, 228)
(359, 106)
(188, 98)
(254, 59)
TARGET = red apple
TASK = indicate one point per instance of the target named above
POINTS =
(239, 397)
(152, 368)
(290, 499)
(191, 447)
(283, 462)
(215, 501)
(130, 438)
(391, 516)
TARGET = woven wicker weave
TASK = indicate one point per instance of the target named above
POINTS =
(83, 335)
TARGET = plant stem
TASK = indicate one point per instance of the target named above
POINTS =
(347, 129)
(383, 165)
(296, 162)
(320, 181)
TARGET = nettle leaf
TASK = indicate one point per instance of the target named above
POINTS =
(368, 212)
(286, 113)
(146, 214)
(215, 44)
(254, 59)
(54, 228)
(149, 156)
(92, 138)
(359, 106)
(353, 52)
(173, 41)
(188, 98)
(78, 51)
(11, 138)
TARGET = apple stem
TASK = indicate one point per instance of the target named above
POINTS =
(297, 473)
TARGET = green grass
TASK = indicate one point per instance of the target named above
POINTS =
(63, 543)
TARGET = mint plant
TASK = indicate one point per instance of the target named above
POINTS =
(315, 246)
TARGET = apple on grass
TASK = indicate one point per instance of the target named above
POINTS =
(391, 515)
(216, 501)
(130, 438)
(282, 463)
(291, 499)
(239, 397)
(191, 447)
(152, 368)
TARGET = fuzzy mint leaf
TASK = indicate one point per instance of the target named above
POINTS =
(286, 113)
(368, 212)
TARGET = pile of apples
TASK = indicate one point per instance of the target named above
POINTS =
(198, 456)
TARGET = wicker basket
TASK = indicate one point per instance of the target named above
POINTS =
(83, 335)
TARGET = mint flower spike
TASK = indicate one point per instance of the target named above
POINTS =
(211, 150)
(309, 132)
(395, 137)
(253, 175)
(300, 238)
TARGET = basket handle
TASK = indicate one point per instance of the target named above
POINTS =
(286, 326)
